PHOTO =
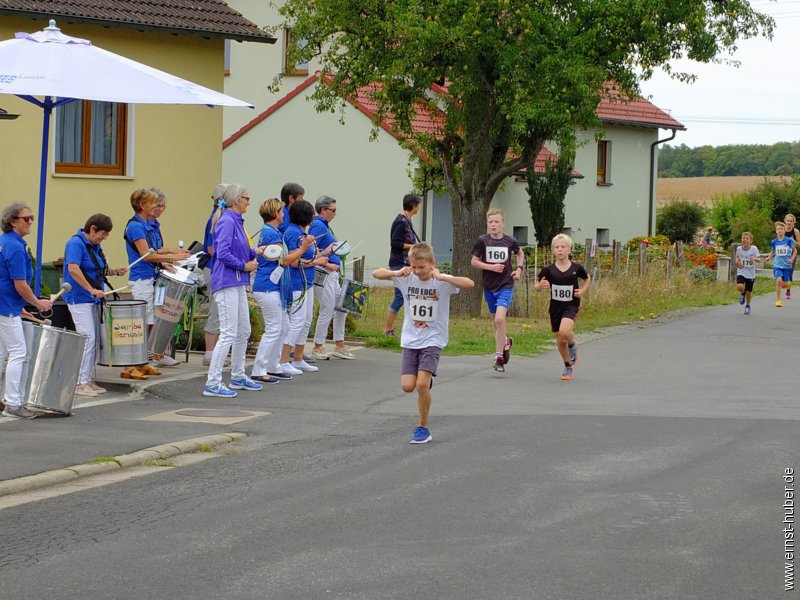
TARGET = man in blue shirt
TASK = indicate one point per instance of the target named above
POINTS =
(290, 193)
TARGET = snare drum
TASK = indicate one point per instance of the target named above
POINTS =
(352, 298)
(320, 275)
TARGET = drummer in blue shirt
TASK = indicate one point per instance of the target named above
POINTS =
(16, 272)
(329, 292)
(290, 193)
(86, 269)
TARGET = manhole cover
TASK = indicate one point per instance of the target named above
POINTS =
(227, 414)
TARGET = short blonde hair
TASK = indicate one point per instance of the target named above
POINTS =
(269, 209)
(780, 224)
(421, 251)
(496, 211)
(747, 234)
(562, 237)
(143, 199)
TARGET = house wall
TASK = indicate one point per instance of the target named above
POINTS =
(176, 148)
(295, 143)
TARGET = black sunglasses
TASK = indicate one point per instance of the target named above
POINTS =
(29, 218)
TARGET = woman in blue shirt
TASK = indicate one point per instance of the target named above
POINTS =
(85, 269)
(16, 272)
(301, 313)
(267, 292)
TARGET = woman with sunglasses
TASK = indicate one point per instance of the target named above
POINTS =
(16, 272)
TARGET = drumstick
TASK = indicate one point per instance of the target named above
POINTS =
(140, 259)
(65, 287)
(122, 289)
(29, 317)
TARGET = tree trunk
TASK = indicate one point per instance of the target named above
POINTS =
(469, 223)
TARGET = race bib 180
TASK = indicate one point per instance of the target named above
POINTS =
(561, 293)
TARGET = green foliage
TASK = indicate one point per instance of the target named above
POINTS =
(654, 241)
(758, 222)
(746, 159)
(679, 220)
(546, 193)
(702, 275)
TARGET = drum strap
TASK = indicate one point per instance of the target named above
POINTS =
(150, 244)
(101, 270)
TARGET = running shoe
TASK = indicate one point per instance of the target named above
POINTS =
(741, 299)
(288, 369)
(499, 365)
(778, 304)
(507, 350)
(20, 412)
(280, 375)
(303, 366)
(747, 309)
(422, 435)
(97, 388)
(320, 354)
(788, 294)
(572, 353)
(246, 383)
(84, 389)
(265, 379)
(166, 361)
(343, 353)
(567, 374)
(219, 391)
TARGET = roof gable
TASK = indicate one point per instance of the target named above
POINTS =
(206, 18)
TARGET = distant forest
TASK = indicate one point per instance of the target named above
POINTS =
(713, 161)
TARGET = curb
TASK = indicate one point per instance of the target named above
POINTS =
(123, 461)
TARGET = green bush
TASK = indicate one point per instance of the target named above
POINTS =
(679, 220)
(758, 222)
(654, 241)
(702, 275)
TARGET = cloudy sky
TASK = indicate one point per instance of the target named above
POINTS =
(758, 103)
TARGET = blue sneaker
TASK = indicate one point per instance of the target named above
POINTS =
(422, 435)
(741, 299)
(265, 379)
(747, 309)
(245, 383)
(219, 391)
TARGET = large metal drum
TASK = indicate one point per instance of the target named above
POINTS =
(53, 364)
(122, 341)
(172, 292)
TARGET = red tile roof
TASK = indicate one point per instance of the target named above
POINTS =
(206, 18)
(638, 112)
(541, 162)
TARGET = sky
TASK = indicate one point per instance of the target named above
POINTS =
(758, 103)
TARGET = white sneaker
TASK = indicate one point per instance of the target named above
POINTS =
(343, 353)
(289, 369)
(303, 366)
(320, 354)
(84, 389)
(166, 361)
(97, 388)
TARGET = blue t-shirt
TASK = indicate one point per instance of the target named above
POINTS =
(15, 263)
(262, 283)
(77, 252)
(139, 229)
(321, 230)
(782, 250)
(292, 240)
(285, 223)
(158, 240)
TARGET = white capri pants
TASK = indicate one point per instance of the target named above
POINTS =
(86, 317)
(276, 327)
(212, 323)
(12, 339)
(300, 317)
(234, 331)
(143, 289)
(327, 295)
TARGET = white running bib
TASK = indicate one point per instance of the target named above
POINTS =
(423, 310)
(496, 254)
(561, 293)
(782, 251)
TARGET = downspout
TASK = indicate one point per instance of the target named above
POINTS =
(652, 208)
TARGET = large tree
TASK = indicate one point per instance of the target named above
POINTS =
(514, 74)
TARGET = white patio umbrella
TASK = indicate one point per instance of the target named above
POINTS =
(62, 69)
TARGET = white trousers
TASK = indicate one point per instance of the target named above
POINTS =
(300, 317)
(276, 326)
(143, 289)
(12, 339)
(327, 295)
(86, 318)
(234, 331)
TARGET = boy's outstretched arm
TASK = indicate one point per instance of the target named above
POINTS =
(385, 274)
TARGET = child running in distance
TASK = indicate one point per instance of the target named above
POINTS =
(561, 278)
(492, 254)
(784, 251)
(792, 233)
(747, 256)
(427, 293)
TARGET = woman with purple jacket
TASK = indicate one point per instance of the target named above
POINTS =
(234, 260)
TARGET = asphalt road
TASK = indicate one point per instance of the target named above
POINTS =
(656, 474)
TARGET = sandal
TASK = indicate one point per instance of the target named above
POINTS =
(133, 374)
(148, 370)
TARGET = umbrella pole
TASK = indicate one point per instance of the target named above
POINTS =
(48, 111)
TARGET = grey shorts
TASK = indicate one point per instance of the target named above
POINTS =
(422, 359)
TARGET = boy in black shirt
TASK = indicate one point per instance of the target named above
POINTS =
(492, 254)
(561, 278)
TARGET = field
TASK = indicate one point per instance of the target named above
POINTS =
(703, 189)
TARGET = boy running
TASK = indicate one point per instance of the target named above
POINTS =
(427, 293)
(793, 233)
(747, 256)
(784, 250)
(492, 253)
(561, 278)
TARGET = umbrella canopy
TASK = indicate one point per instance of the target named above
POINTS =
(61, 69)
